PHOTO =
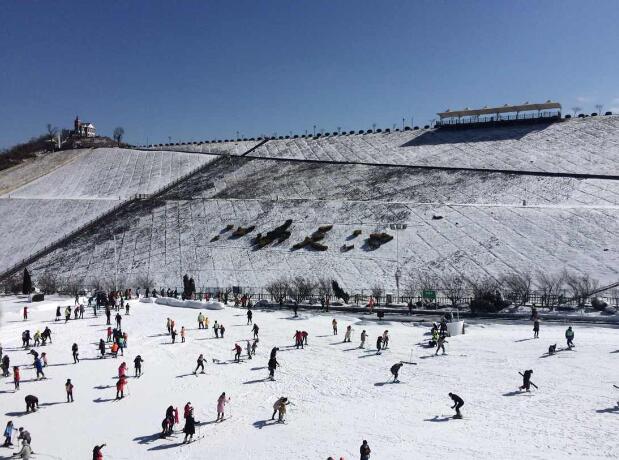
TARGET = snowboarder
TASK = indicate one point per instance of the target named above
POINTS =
(273, 364)
(255, 329)
(526, 380)
(200, 364)
(96, 452)
(395, 369)
(16, 377)
(364, 336)
(569, 336)
(385, 340)
(440, 344)
(249, 316)
(536, 329)
(221, 405)
(137, 365)
(190, 427)
(32, 403)
(69, 389)
(379, 343)
(237, 353)
(365, 450)
(458, 403)
(120, 387)
(75, 353)
(334, 325)
(348, 333)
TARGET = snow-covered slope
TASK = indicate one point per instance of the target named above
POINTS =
(340, 393)
(587, 146)
(112, 174)
(230, 148)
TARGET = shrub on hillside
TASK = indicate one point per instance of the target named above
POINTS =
(215, 238)
(355, 233)
(486, 296)
(347, 247)
(280, 234)
(318, 246)
(376, 240)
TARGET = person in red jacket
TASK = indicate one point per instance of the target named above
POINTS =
(120, 387)
(25, 313)
(298, 336)
(122, 370)
(16, 377)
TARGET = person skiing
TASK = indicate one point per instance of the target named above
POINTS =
(58, 314)
(216, 329)
(304, 334)
(137, 365)
(248, 349)
(96, 452)
(222, 329)
(114, 349)
(102, 348)
(458, 403)
(395, 369)
(255, 330)
(32, 403)
(173, 334)
(67, 314)
(37, 338)
(200, 365)
(348, 333)
(118, 320)
(168, 325)
(385, 340)
(8, 434)
(334, 326)
(279, 402)
(221, 405)
(274, 351)
(365, 450)
(440, 344)
(109, 333)
(24, 435)
(108, 315)
(364, 336)
(25, 312)
(249, 316)
(189, 428)
(298, 338)
(200, 321)
(205, 322)
(120, 387)
(569, 336)
(272, 366)
(16, 377)
(254, 345)
(536, 329)
(237, 352)
(69, 389)
(38, 365)
(75, 353)
(526, 380)
(281, 411)
(182, 334)
(379, 343)
(47, 335)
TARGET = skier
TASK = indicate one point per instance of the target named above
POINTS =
(182, 334)
(254, 346)
(37, 338)
(552, 349)
(304, 334)
(237, 352)
(58, 315)
(76, 355)
(32, 403)
(120, 387)
(108, 314)
(569, 335)
(109, 333)
(272, 366)
(81, 311)
(365, 450)
(16, 377)
(173, 335)
(536, 329)
(348, 333)
(526, 380)
(25, 338)
(137, 365)
(96, 452)
(395, 369)
(334, 325)
(458, 403)
(25, 313)
(385, 340)
(47, 335)
(118, 320)
(200, 365)
(114, 349)
(8, 434)
(281, 411)
(102, 348)
(168, 324)
(255, 329)
(278, 403)
(440, 344)
(5, 365)
(200, 321)
(24, 435)
(364, 335)
(187, 410)
(248, 350)
(379, 343)
(38, 365)
(222, 329)
(298, 338)
(249, 316)
(69, 389)
(221, 405)
(190, 427)
(216, 329)
(67, 314)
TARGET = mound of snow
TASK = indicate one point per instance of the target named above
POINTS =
(171, 302)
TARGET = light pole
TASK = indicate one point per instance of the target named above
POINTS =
(398, 272)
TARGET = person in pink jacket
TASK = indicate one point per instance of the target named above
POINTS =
(122, 370)
(221, 403)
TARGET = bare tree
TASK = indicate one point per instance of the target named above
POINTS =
(519, 286)
(550, 285)
(324, 287)
(454, 288)
(72, 286)
(12, 284)
(51, 132)
(144, 281)
(118, 134)
(581, 286)
(48, 282)
(377, 293)
(599, 108)
(300, 289)
(278, 289)
(576, 110)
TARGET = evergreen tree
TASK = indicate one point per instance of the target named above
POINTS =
(27, 283)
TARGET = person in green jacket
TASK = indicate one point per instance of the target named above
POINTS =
(569, 335)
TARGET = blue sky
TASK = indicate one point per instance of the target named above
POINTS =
(197, 70)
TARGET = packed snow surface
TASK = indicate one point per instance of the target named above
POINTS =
(341, 393)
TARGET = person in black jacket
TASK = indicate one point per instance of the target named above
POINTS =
(395, 369)
(272, 365)
(365, 450)
(32, 403)
(526, 380)
(76, 355)
(249, 316)
(190, 427)
(137, 365)
(458, 403)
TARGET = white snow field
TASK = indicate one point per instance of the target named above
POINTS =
(341, 394)
(587, 146)
(221, 148)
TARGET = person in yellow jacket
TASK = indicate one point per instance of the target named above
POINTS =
(205, 322)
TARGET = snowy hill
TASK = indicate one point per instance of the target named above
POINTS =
(341, 394)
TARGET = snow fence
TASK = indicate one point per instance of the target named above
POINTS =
(171, 302)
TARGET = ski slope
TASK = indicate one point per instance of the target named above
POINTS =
(340, 393)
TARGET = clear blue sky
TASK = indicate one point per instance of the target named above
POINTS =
(197, 70)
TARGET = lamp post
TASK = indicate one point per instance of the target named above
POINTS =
(398, 272)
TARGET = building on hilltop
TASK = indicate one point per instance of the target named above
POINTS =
(507, 114)
(84, 128)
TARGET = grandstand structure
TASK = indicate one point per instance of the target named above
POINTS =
(478, 202)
